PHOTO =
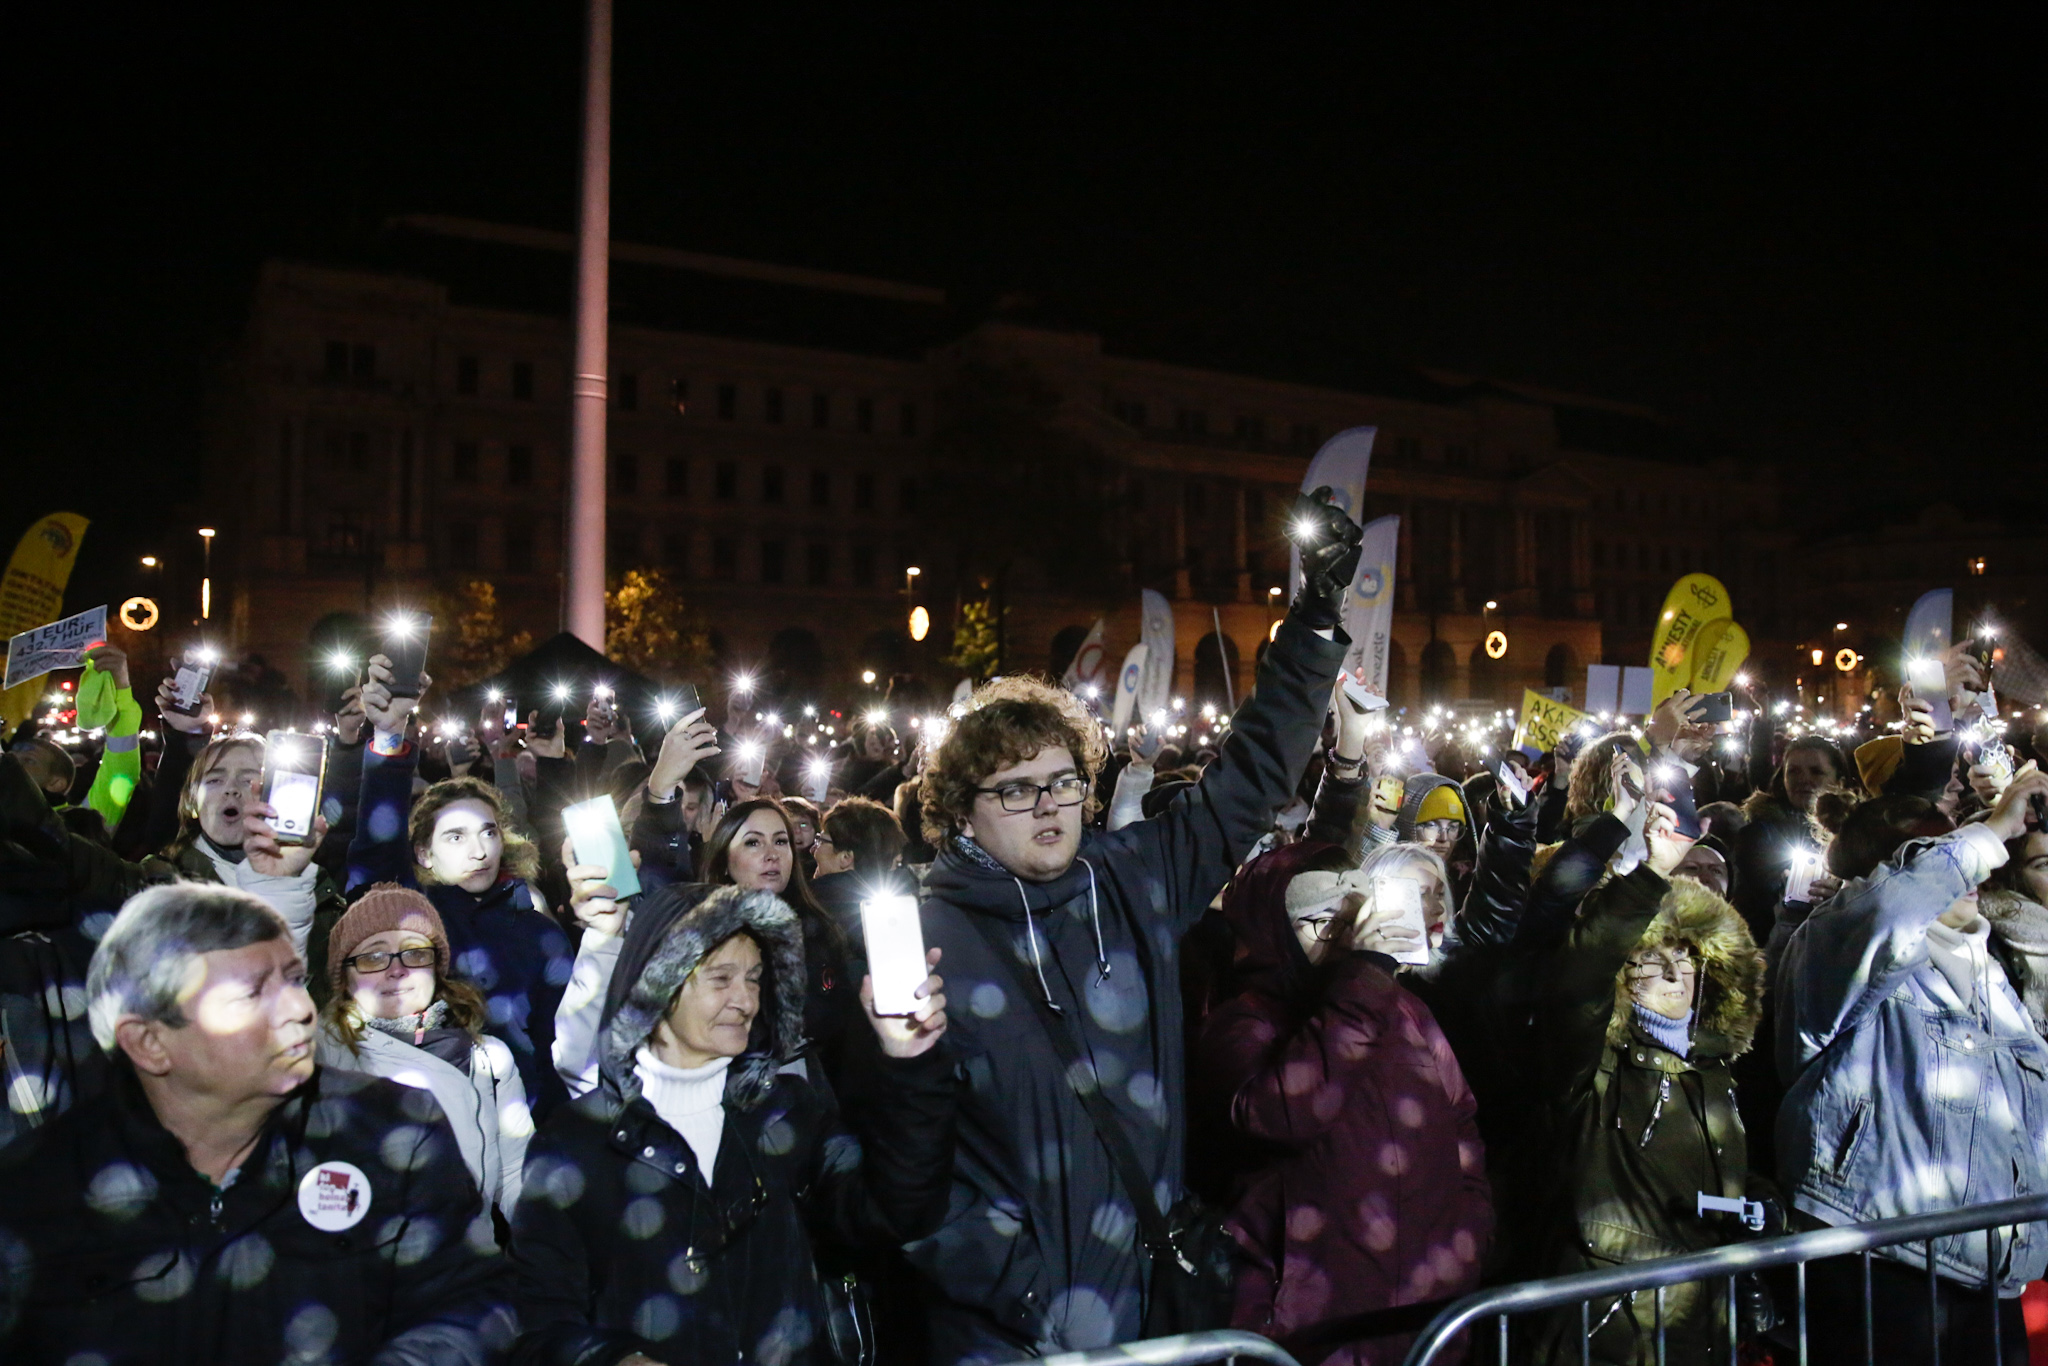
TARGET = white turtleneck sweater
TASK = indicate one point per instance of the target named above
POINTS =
(690, 1100)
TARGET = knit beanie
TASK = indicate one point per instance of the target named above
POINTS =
(386, 906)
(1878, 759)
(1443, 803)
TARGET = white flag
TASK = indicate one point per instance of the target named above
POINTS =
(1369, 606)
(1086, 670)
(1157, 683)
(1127, 689)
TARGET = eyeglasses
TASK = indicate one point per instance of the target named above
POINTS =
(370, 964)
(822, 838)
(1020, 796)
(1676, 963)
(1323, 927)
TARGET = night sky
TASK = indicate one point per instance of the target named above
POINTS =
(1814, 242)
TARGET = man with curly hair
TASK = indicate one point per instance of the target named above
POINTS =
(1041, 1251)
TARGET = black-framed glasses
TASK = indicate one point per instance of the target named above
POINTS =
(1068, 790)
(1322, 927)
(370, 964)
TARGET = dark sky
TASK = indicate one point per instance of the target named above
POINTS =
(1813, 241)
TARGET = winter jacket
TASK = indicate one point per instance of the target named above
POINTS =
(1907, 1093)
(1763, 857)
(1039, 1248)
(120, 1251)
(1376, 1195)
(484, 1103)
(623, 1243)
(2019, 936)
(501, 942)
(1642, 1130)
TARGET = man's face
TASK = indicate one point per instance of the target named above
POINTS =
(1037, 844)
(226, 791)
(1706, 867)
(1807, 772)
(248, 1028)
(693, 805)
(465, 847)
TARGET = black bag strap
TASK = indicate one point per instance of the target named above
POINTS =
(1152, 1225)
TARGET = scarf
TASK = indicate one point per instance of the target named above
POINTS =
(1675, 1035)
(412, 1028)
(978, 856)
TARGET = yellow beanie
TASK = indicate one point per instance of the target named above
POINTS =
(1443, 803)
(1878, 759)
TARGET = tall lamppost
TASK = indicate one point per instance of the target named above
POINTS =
(206, 535)
(583, 583)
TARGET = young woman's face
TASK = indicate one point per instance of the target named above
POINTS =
(715, 1010)
(226, 791)
(2033, 868)
(397, 989)
(1807, 772)
(465, 847)
(1662, 979)
(760, 856)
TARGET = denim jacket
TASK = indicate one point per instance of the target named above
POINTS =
(1904, 1098)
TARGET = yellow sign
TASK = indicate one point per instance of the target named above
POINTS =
(1496, 644)
(1544, 719)
(1693, 601)
(920, 623)
(138, 614)
(1718, 653)
(1847, 659)
(32, 594)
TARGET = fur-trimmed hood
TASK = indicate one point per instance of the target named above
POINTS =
(1731, 968)
(660, 953)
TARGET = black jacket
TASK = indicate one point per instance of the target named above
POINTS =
(119, 1251)
(623, 1245)
(1038, 1248)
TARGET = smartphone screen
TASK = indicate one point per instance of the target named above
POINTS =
(1930, 685)
(688, 700)
(294, 767)
(1711, 708)
(1807, 864)
(895, 944)
(1403, 895)
(511, 714)
(1513, 791)
(752, 763)
(404, 643)
(190, 684)
(818, 781)
(599, 840)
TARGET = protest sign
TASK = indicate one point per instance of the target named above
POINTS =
(33, 592)
(1544, 719)
(59, 645)
(1693, 601)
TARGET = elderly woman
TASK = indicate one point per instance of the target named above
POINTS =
(1372, 1190)
(669, 1214)
(395, 1012)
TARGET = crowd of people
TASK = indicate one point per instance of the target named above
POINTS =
(1305, 1030)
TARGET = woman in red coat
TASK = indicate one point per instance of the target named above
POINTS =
(1373, 1190)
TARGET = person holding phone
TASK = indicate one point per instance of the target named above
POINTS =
(1318, 1067)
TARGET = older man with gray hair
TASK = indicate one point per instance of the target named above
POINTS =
(227, 1200)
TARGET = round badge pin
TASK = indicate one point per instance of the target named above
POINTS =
(334, 1196)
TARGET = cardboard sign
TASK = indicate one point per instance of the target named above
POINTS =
(1603, 687)
(60, 645)
(1544, 719)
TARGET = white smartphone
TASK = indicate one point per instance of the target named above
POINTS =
(1514, 792)
(895, 944)
(1355, 690)
(1403, 895)
(599, 840)
(294, 766)
(1807, 864)
(752, 764)
(195, 671)
(1930, 685)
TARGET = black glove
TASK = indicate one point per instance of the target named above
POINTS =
(1328, 542)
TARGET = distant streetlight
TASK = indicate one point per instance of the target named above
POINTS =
(206, 535)
(149, 561)
(867, 676)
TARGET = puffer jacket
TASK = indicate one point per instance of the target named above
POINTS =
(623, 1243)
(1376, 1193)
(1642, 1130)
(1907, 1094)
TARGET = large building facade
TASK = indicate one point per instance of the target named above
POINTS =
(787, 443)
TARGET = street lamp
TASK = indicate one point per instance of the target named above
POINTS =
(206, 535)
(149, 561)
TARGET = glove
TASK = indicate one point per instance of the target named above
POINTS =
(1329, 545)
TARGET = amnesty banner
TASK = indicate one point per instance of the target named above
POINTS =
(1544, 719)
(32, 594)
(1718, 651)
(1693, 601)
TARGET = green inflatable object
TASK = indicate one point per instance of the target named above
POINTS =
(95, 699)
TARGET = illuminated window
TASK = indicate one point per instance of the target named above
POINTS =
(1977, 565)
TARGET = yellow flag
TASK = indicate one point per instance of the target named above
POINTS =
(1717, 652)
(32, 595)
(1693, 601)
(1544, 719)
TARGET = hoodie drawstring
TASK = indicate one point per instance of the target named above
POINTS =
(1095, 918)
(1031, 937)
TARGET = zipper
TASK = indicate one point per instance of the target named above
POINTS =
(218, 1197)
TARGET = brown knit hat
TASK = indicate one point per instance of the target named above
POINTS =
(386, 906)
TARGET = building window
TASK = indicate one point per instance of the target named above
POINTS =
(675, 550)
(725, 558)
(817, 564)
(625, 474)
(864, 415)
(362, 362)
(519, 466)
(463, 465)
(629, 393)
(462, 545)
(1128, 411)
(771, 405)
(519, 547)
(465, 374)
(622, 547)
(864, 492)
(1191, 422)
(337, 360)
(728, 402)
(675, 478)
(726, 480)
(771, 561)
(864, 565)
(821, 488)
(522, 379)
(821, 410)
(907, 496)
(344, 536)
(1251, 430)
(771, 484)
(679, 394)
(909, 419)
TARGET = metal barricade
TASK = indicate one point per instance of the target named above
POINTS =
(1191, 1349)
(1723, 1266)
